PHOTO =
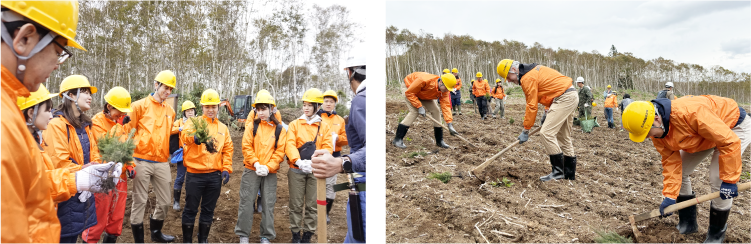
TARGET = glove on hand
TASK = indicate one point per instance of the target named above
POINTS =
(305, 166)
(126, 119)
(451, 130)
(84, 196)
(225, 176)
(195, 139)
(118, 171)
(665, 203)
(346, 119)
(130, 172)
(261, 170)
(421, 111)
(524, 136)
(728, 191)
(91, 177)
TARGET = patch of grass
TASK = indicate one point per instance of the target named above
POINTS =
(611, 237)
(414, 154)
(746, 176)
(444, 177)
(511, 121)
(407, 139)
(504, 182)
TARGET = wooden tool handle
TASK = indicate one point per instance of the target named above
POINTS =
(687, 203)
(321, 197)
(487, 162)
(460, 137)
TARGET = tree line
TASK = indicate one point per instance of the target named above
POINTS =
(409, 52)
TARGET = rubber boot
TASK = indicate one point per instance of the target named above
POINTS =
(453, 110)
(718, 220)
(137, 232)
(329, 205)
(203, 232)
(107, 238)
(460, 109)
(569, 167)
(306, 235)
(176, 205)
(556, 161)
(188, 233)
(295, 237)
(438, 131)
(687, 216)
(401, 131)
(155, 227)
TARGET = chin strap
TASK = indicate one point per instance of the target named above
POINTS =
(78, 91)
(8, 16)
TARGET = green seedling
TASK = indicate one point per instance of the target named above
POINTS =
(407, 139)
(746, 176)
(611, 237)
(444, 177)
(113, 149)
(511, 121)
(504, 182)
(201, 132)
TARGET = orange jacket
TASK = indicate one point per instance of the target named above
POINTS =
(28, 210)
(611, 101)
(541, 85)
(260, 148)
(153, 123)
(100, 125)
(177, 125)
(252, 116)
(335, 123)
(698, 123)
(458, 84)
(301, 132)
(480, 88)
(498, 92)
(62, 144)
(424, 86)
(63, 180)
(195, 157)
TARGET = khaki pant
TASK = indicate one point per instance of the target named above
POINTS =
(249, 186)
(431, 107)
(689, 161)
(302, 190)
(556, 131)
(499, 107)
(158, 174)
(330, 182)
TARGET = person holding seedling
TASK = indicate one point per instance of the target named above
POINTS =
(188, 109)
(69, 140)
(456, 96)
(334, 124)
(500, 96)
(305, 135)
(421, 90)
(111, 205)
(481, 90)
(152, 118)
(263, 151)
(68, 180)
(208, 161)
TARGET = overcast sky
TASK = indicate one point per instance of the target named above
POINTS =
(704, 33)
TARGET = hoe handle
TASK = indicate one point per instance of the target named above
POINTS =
(481, 167)
(687, 203)
(460, 137)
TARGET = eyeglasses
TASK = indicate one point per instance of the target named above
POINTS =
(61, 57)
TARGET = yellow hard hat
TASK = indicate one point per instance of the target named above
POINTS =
(35, 98)
(75, 82)
(167, 78)
(479, 74)
(263, 96)
(331, 93)
(594, 104)
(609, 86)
(210, 97)
(445, 71)
(503, 67)
(119, 98)
(312, 95)
(454, 70)
(187, 105)
(637, 120)
(60, 17)
(449, 80)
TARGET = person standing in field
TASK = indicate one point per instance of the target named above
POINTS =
(500, 97)
(188, 109)
(421, 90)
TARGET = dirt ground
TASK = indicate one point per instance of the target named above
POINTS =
(615, 178)
(225, 214)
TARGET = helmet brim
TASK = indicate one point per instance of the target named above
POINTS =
(638, 138)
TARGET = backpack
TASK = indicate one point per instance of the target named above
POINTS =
(277, 132)
(663, 94)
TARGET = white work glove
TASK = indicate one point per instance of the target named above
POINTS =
(91, 177)
(305, 166)
(84, 196)
(118, 171)
(586, 105)
(261, 170)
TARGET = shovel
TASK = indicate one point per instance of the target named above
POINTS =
(479, 169)
(460, 137)
(678, 206)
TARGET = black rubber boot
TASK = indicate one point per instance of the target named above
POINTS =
(155, 227)
(569, 167)
(438, 131)
(556, 161)
(329, 205)
(718, 224)
(295, 237)
(176, 204)
(188, 233)
(107, 238)
(401, 131)
(306, 235)
(203, 232)
(137, 232)
(687, 216)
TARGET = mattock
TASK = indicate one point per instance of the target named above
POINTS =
(321, 200)
(479, 169)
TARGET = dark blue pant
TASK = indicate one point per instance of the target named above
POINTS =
(482, 105)
(456, 99)
(70, 239)
(609, 114)
(203, 189)
(180, 178)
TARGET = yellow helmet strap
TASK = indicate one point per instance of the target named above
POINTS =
(43, 42)
(78, 92)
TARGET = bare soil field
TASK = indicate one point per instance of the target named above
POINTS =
(615, 178)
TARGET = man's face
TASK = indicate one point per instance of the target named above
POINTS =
(40, 66)
(579, 84)
(162, 91)
(210, 111)
(442, 87)
(656, 132)
(329, 104)
(513, 77)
